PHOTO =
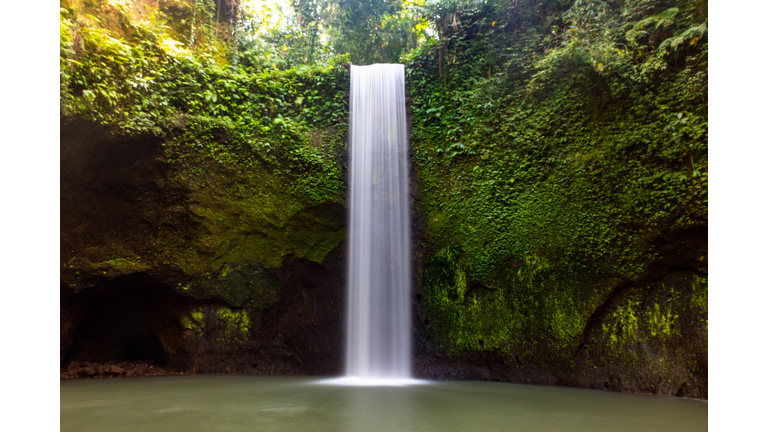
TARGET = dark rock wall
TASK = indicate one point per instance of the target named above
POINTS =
(674, 364)
(204, 270)
(300, 333)
(138, 318)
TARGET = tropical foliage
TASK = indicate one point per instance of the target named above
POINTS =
(555, 141)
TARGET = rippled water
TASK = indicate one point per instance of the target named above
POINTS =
(245, 403)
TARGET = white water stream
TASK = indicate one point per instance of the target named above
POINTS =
(379, 283)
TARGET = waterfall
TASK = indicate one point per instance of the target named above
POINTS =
(379, 280)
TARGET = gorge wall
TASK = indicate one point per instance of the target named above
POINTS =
(562, 159)
(203, 271)
(559, 202)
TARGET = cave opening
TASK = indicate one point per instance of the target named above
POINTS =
(132, 318)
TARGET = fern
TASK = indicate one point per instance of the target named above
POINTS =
(692, 35)
(658, 22)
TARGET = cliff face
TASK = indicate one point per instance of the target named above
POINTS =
(239, 291)
(564, 183)
(214, 268)
(127, 209)
(559, 202)
(647, 335)
(202, 204)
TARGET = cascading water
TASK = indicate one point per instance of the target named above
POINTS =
(379, 284)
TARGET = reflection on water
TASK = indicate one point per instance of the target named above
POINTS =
(382, 409)
(243, 403)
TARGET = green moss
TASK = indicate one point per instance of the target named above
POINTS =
(194, 322)
(111, 268)
(235, 324)
(222, 323)
(238, 217)
(661, 321)
(126, 263)
(501, 316)
(700, 298)
(621, 325)
(547, 181)
(252, 286)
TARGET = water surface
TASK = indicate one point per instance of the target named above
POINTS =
(245, 403)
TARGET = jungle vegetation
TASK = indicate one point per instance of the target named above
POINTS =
(555, 140)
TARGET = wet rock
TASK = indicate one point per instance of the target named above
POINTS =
(115, 370)
(86, 371)
(138, 371)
